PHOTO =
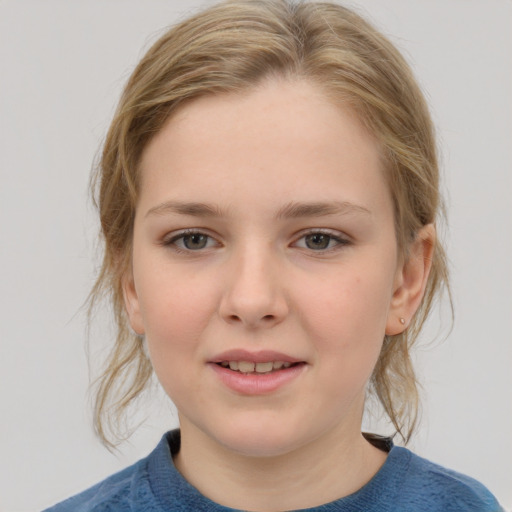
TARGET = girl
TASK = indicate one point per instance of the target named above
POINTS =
(268, 194)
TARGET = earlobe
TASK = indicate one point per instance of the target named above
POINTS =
(411, 281)
(131, 303)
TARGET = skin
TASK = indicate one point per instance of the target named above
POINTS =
(260, 283)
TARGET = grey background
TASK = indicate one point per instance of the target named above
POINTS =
(62, 64)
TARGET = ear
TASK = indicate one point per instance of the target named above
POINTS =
(411, 280)
(131, 303)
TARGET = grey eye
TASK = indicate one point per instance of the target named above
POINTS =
(195, 241)
(317, 241)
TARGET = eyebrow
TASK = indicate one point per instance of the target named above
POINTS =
(295, 210)
(291, 210)
(192, 209)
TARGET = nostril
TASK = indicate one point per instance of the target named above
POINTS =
(252, 320)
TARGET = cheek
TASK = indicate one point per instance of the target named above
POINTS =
(347, 319)
(175, 309)
(172, 299)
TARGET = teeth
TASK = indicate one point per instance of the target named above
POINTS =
(248, 367)
(245, 367)
(264, 367)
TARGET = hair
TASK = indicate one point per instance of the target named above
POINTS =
(232, 47)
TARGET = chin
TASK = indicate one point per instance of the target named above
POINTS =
(260, 446)
(261, 438)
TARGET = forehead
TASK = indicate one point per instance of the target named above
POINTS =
(283, 137)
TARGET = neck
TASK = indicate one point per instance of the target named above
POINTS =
(325, 470)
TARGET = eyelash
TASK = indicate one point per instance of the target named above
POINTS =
(172, 241)
(339, 241)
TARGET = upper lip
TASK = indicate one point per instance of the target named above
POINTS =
(262, 356)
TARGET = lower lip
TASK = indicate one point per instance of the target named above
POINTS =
(257, 383)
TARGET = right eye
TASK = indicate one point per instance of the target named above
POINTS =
(191, 241)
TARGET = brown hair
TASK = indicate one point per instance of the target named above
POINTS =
(233, 46)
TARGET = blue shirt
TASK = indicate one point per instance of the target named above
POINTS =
(405, 483)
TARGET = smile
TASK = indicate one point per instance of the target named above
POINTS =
(261, 373)
(249, 367)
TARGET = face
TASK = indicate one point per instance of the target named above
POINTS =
(265, 270)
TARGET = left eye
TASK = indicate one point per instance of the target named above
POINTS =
(319, 241)
(194, 241)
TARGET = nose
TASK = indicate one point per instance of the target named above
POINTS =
(254, 294)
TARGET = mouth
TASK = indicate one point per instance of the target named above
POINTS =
(262, 368)
(257, 373)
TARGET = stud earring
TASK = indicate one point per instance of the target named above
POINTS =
(402, 321)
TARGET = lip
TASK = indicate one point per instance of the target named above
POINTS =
(252, 384)
(262, 356)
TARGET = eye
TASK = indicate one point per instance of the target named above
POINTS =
(191, 241)
(320, 241)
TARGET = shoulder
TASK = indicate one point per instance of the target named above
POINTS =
(430, 486)
(131, 489)
(112, 494)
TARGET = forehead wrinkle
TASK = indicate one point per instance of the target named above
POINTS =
(320, 209)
